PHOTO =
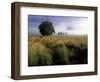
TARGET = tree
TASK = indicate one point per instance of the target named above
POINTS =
(46, 28)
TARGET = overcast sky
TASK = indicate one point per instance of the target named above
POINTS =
(67, 24)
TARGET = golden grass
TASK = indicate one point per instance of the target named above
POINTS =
(41, 47)
(54, 40)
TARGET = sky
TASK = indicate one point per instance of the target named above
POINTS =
(71, 25)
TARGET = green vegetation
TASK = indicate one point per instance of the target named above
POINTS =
(46, 28)
(57, 50)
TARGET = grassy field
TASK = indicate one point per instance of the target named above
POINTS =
(57, 50)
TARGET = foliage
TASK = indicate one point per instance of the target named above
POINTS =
(46, 28)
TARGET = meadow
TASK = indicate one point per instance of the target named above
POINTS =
(57, 50)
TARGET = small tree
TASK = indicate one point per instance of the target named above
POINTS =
(46, 28)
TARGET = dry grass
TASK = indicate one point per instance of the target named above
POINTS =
(42, 49)
(54, 40)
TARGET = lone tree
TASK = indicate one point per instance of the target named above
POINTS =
(46, 28)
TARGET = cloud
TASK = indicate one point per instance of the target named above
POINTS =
(71, 25)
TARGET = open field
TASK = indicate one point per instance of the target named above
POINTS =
(57, 50)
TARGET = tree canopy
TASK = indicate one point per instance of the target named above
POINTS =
(46, 28)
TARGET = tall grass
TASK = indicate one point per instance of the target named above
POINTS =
(57, 50)
(39, 55)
